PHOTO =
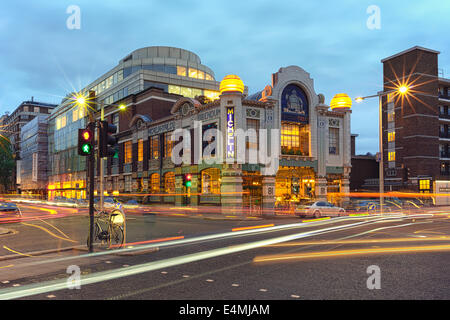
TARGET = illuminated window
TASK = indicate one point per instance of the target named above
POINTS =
(58, 123)
(80, 112)
(208, 77)
(424, 184)
(193, 73)
(154, 147)
(127, 152)
(174, 89)
(211, 181)
(294, 139)
(201, 75)
(181, 71)
(140, 150)
(168, 145)
(391, 156)
(186, 92)
(154, 183)
(212, 95)
(391, 136)
(75, 113)
(169, 182)
(333, 138)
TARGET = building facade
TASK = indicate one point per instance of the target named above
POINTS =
(312, 159)
(175, 72)
(416, 133)
(34, 157)
(12, 128)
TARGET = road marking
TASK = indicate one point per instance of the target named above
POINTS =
(17, 252)
(263, 290)
(164, 272)
(235, 285)
(51, 296)
(318, 219)
(295, 296)
(48, 231)
(8, 266)
(253, 227)
(209, 280)
(185, 276)
(16, 285)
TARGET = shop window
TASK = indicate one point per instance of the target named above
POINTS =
(127, 152)
(140, 150)
(169, 182)
(333, 141)
(424, 185)
(154, 147)
(211, 181)
(154, 183)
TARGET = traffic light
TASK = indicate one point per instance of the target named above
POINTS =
(85, 142)
(107, 142)
(187, 180)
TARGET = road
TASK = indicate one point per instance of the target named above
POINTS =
(182, 258)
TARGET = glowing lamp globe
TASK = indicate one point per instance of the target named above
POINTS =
(231, 83)
(341, 101)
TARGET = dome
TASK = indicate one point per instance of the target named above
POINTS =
(341, 101)
(231, 83)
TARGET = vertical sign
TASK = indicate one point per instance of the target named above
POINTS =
(34, 172)
(230, 132)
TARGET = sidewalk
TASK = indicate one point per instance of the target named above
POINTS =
(4, 231)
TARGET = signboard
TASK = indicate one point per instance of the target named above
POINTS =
(294, 104)
(230, 132)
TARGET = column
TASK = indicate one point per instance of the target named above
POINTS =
(322, 143)
(231, 189)
(268, 197)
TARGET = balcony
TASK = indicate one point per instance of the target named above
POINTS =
(445, 154)
(444, 116)
(444, 96)
(445, 135)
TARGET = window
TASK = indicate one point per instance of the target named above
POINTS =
(115, 120)
(254, 125)
(208, 77)
(128, 183)
(36, 109)
(168, 145)
(391, 156)
(127, 152)
(154, 147)
(391, 116)
(193, 73)
(140, 150)
(181, 71)
(333, 140)
(424, 185)
(75, 114)
(169, 182)
(201, 74)
(211, 181)
(391, 136)
(154, 183)
(294, 139)
(212, 95)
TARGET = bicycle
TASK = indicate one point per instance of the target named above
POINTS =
(109, 228)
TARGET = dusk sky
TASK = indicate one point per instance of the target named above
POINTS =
(41, 57)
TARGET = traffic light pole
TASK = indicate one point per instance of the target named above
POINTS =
(91, 168)
(102, 117)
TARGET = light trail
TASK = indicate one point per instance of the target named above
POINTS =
(55, 285)
(17, 252)
(253, 227)
(49, 232)
(352, 252)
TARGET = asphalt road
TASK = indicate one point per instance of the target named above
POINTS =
(343, 258)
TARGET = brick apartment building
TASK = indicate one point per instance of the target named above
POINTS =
(416, 125)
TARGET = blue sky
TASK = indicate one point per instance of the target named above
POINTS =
(41, 57)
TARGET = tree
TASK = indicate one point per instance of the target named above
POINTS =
(6, 164)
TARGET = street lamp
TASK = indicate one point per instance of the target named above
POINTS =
(401, 90)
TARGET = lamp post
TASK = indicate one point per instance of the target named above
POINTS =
(402, 90)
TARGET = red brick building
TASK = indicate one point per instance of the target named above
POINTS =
(416, 125)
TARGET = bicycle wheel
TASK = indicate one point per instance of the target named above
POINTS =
(116, 236)
(96, 233)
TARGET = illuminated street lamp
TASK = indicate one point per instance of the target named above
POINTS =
(400, 90)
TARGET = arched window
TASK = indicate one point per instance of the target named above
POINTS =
(211, 180)
(169, 182)
(154, 183)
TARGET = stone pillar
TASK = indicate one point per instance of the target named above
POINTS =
(268, 196)
(231, 189)
(322, 152)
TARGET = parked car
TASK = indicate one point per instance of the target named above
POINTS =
(319, 209)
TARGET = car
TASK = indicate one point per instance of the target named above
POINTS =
(10, 209)
(319, 209)
(131, 204)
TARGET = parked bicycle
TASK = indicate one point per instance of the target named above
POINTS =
(109, 228)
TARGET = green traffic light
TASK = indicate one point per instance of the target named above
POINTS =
(86, 148)
(188, 184)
